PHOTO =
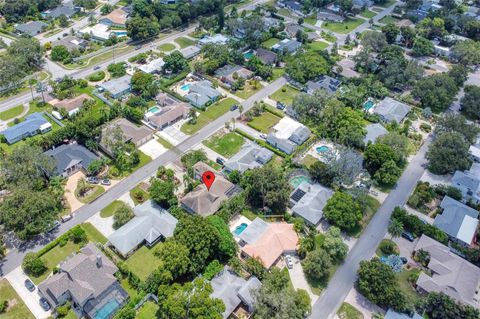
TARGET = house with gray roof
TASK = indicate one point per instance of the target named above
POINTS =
(329, 15)
(450, 273)
(266, 56)
(227, 73)
(468, 182)
(253, 232)
(131, 133)
(391, 110)
(31, 28)
(374, 131)
(71, 158)
(250, 156)
(235, 292)
(33, 124)
(202, 94)
(118, 87)
(324, 82)
(287, 45)
(216, 39)
(457, 220)
(288, 134)
(67, 11)
(190, 51)
(86, 279)
(391, 314)
(150, 224)
(308, 200)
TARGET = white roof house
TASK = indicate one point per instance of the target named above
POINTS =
(98, 31)
(152, 66)
(474, 150)
(287, 134)
(309, 200)
(216, 39)
(468, 182)
(250, 156)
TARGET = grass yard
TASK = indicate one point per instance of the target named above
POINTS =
(144, 160)
(328, 36)
(264, 122)
(367, 14)
(164, 143)
(142, 263)
(277, 72)
(379, 252)
(213, 112)
(371, 209)
(248, 90)
(226, 145)
(317, 46)
(110, 209)
(128, 288)
(96, 191)
(285, 94)
(347, 311)
(309, 160)
(270, 42)
(312, 20)
(387, 20)
(147, 311)
(11, 113)
(16, 308)
(184, 42)
(93, 234)
(405, 280)
(343, 27)
(138, 190)
(285, 12)
(166, 47)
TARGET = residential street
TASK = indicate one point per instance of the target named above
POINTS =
(15, 257)
(343, 280)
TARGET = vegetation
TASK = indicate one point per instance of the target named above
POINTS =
(225, 144)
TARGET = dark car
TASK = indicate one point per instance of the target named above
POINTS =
(138, 47)
(29, 284)
(97, 67)
(233, 107)
(280, 106)
(408, 236)
(220, 161)
(404, 260)
(44, 304)
(92, 180)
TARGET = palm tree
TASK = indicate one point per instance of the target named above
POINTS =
(395, 228)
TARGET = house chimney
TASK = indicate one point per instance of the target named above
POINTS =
(99, 260)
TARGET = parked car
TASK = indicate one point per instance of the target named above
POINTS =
(54, 226)
(66, 218)
(44, 304)
(92, 180)
(220, 161)
(404, 260)
(29, 284)
(97, 67)
(280, 106)
(264, 136)
(408, 236)
(289, 261)
(233, 107)
(138, 47)
(106, 182)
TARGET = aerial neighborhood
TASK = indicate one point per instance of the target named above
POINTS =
(264, 159)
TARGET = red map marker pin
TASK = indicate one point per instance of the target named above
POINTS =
(208, 178)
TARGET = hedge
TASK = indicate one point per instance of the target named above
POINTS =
(56, 241)
(274, 111)
(417, 227)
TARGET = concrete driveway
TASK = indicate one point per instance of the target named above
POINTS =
(406, 248)
(16, 278)
(298, 279)
(153, 149)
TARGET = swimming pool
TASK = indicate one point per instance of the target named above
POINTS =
(239, 229)
(368, 105)
(248, 55)
(153, 109)
(322, 149)
(120, 33)
(107, 309)
(297, 180)
(185, 87)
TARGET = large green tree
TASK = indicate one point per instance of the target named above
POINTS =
(139, 28)
(471, 102)
(174, 257)
(467, 52)
(175, 62)
(448, 153)
(227, 246)
(436, 91)
(342, 211)
(163, 192)
(451, 122)
(307, 66)
(317, 264)
(29, 53)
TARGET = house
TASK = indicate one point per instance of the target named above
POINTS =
(391, 110)
(150, 224)
(203, 201)
(346, 68)
(167, 115)
(325, 82)
(71, 158)
(202, 94)
(468, 182)
(266, 56)
(287, 134)
(374, 131)
(190, 52)
(287, 45)
(308, 200)
(235, 292)
(116, 18)
(270, 22)
(227, 74)
(422, 12)
(118, 87)
(457, 220)
(268, 241)
(131, 133)
(31, 28)
(295, 6)
(451, 274)
(328, 15)
(71, 43)
(218, 39)
(154, 66)
(292, 28)
(250, 156)
(71, 106)
(33, 124)
(87, 280)
(474, 151)
(397, 315)
(99, 32)
(67, 11)
(362, 3)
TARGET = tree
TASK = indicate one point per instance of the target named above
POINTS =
(174, 257)
(440, 306)
(142, 28)
(163, 192)
(448, 153)
(333, 244)
(340, 167)
(451, 122)
(467, 52)
(192, 300)
(342, 211)
(317, 265)
(422, 47)
(388, 173)
(60, 53)
(106, 9)
(470, 102)
(391, 32)
(28, 53)
(175, 62)
(397, 142)
(227, 246)
(63, 21)
(408, 36)
(377, 154)
(307, 66)
(123, 213)
(377, 282)
(33, 265)
(309, 107)
(373, 40)
(395, 228)
(117, 69)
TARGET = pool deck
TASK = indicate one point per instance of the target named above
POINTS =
(313, 150)
(237, 221)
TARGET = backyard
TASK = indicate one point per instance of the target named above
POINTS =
(270, 42)
(317, 46)
(406, 279)
(225, 144)
(147, 311)
(285, 94)
(16, 308)
(388, 19)
(142, 263)
(213, 112)
(264, 122)
(343, 27)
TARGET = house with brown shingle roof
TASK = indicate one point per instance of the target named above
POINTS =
(137, 135)
(71, 106)
(116, 18)
(161, 117)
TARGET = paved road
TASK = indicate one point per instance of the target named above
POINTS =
(15, 257)
(344, 278)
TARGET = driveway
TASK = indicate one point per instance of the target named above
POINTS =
(298, 279)
(103, 225)
(406, 248)
(70, 187)
(362, 304)
(152, 148)
(173, 134)
(31, 299)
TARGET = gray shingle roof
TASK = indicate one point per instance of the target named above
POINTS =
(310, 205)
(468, 181)
(391, 110)
(287, 44)
(250, 156)
(396, 315)
(117, 86)
(325, 82)
(61, 10)
(254, 231)
(68, 155)
(201, 93)
(374, 131)
(31, 28)
(266, 56)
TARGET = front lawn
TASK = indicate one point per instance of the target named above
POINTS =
(406, 281)
(343, 27)
(270, 42)
(184, 42)
(387, 20)
(264, 122)
(347, 311)
(144, 160)
(147, 311)
(225, 144)
(367, 14)
(92, 194)
(285, 94)
(93, 234)
(317, 46)
(166, 47)
(277, 72)
(16, 308)
(11, 113)
(213, 112)
(138, 195)
(110, 209)
(142, 263)
(372, 206)
(248, 90)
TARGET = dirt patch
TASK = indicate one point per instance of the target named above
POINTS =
(70, 187)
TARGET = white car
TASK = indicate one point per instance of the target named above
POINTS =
(289, 261)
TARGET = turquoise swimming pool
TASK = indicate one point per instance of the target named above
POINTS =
(107, 309)
(297, 180)
(248, 55)
(153, 109)
(322, 149)
(185, 87)
(239, 229)
(368, 105)
(120, 33)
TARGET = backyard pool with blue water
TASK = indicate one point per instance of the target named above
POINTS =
(107, 309)
(368, 105)
(297, 180)
(239, 229)
(185, 87)
(322, 149)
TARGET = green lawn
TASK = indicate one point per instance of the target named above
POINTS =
(11, 113)
(248, 90)
(270, 42)
(226, 145)
(132, 292)
(380, 253)
(367, 14)
(406, 278)
(312, 20)
(344, 27)
(93, 234)
(285, 94)
(309, 160)
(138, 189)
(317, 46)
(328, 36)
(142, 263)
(264, 122)
(387, 20)
(164, 142)
(166, 47)
(92, 195)
(144, 159)
(110, 209)
(16, 308)
(147, 311)
(213, 112)
(184, 42)
(277, 72)
(347, 311)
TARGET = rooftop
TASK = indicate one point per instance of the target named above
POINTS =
(286, 127)
(117, 16)
(250, 156)
(117, 86)
(131, 132)
(325, 82)
(374, 131)
(70, 155)
(392, 110)
(71, 104)
(31, 28)
(152, 66)
(67, 11)
(309, 201)
(288, 45)
(32, 123)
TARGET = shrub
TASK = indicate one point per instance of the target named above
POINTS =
(97, 76)
(62, 311)
(33, 265)
(139, 195)
(388, 247)
(3, 305)
(78, 235)
(212, 269)
(425, 127)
